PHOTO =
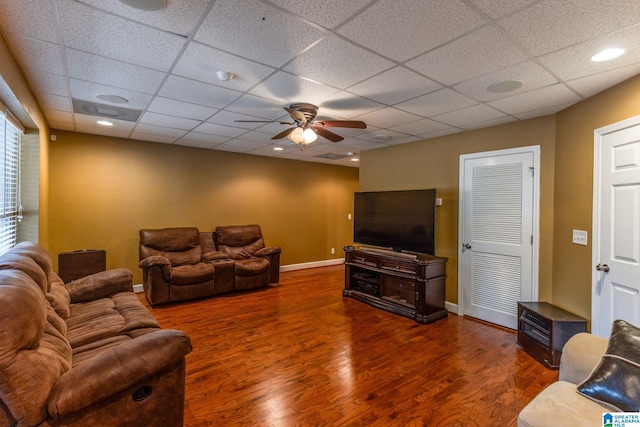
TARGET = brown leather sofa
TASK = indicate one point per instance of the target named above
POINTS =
(83, 354)
(175, 267)
(255, 264)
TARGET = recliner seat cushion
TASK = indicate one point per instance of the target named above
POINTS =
(190, 274)
(251, 266)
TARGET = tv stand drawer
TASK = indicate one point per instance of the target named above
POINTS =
(401, 267)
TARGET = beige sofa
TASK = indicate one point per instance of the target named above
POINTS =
(83, 354)
(596, 376)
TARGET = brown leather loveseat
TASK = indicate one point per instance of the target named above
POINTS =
(83, 354)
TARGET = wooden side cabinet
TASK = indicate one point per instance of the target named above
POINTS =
(543, 329)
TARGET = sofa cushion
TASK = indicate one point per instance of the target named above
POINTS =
(615, 382)
(190, 274)
(251, 266)
(560, 405)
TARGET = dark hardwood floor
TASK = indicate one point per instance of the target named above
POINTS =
(300, 354)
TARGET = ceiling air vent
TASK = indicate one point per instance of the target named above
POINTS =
(106, 111)
(332, 156)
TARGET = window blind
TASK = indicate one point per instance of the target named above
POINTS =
(9, 181)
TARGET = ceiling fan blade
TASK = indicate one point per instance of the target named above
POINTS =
(356, 124)
(283, 134)
(333, 137)
(296, 115)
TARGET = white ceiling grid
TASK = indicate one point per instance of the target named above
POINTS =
(411, 69)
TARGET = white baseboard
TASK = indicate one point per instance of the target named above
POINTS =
(304, 265)
(453, 308)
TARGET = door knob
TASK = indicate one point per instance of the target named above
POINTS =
(467, 246)
(602, 267)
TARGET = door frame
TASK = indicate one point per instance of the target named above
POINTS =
(596, 232)
(535, 256)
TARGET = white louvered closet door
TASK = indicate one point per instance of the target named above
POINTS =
(497, 236)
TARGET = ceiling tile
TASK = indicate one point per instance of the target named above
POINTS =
(376, 136)
(200, 62)
(180, 109)
(546, 97)
(552, 24)
(337, 63)
(152, 129)
(91, 30)
(54, 102)
(529, 73)
(257, 106)
(420, 127)
(596, 83)
(345, 105)
(32, 18)
(118, 125)
(287, 89)
(168, 121)
(152, 137)
(224, 117)
(42, 82)
(179, 17)
(475, 54)
(575, 62)
(497, 8)
(95, 130)
(327, 13)
(543, 111)
(387, 117)
(488, 123)
(197, 92)
(395, 85)
(43, 56)
(405, 29)
(269, 35)
(109, 72)
(444, 132)
(220, 130)
(465, 116)
(439, 102)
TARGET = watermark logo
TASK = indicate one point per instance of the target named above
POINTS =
(621, 419)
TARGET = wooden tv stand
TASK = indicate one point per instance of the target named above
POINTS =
(410, 285)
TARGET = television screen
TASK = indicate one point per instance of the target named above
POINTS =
(399, 220)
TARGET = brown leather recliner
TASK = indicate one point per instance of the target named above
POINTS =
(255, 264)
(175, 268)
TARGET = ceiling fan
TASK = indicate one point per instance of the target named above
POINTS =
(307, 129)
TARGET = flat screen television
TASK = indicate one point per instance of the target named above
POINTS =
(397, 220)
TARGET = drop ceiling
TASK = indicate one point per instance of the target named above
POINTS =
(411, 69)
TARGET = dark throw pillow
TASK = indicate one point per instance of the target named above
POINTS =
(615, 382)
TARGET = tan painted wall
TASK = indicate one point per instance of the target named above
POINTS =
(103, 190)
(574, 188)
(435, 163)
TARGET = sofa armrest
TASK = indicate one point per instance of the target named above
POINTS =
(214, 255)
(161, 262)
(117, 369)
(100, 285)
(268, 251)
(580, 355)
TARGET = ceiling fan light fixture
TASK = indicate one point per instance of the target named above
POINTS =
(296, 135)
(309, 136)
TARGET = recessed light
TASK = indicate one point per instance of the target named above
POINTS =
(504, 86)
(146, 4)
(115, 99)
(104, 123)
(381, 137)
(278, 148)
(607, 54)
(355, 159)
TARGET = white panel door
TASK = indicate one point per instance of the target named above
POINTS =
(497, 234)
(616, 226)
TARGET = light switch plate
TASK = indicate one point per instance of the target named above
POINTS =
(579, 237)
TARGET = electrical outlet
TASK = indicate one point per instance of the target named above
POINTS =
(579, 237)
(438, 201)
(333, 251)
